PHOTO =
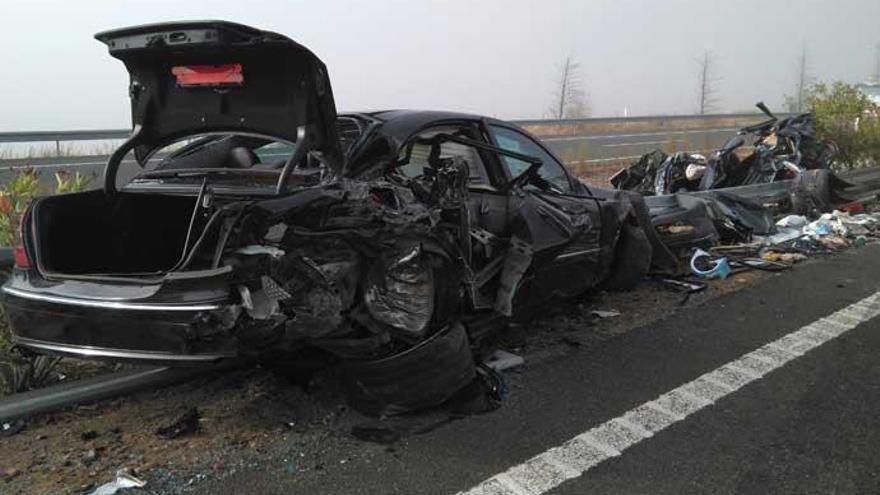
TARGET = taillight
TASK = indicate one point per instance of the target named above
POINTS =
(19, 254)
(208, 75)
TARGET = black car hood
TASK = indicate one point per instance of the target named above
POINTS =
(276, 87)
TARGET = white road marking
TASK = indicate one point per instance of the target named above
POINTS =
(578, 455)
(640, 134)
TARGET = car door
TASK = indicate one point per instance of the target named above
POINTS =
(557, 217)
(488, 204)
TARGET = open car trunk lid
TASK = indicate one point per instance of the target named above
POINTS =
(196, 77)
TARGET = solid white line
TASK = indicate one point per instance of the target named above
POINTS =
(578, 455)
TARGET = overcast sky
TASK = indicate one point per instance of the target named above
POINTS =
(494, 57)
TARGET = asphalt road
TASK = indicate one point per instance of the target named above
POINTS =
(599, 148)
(807, 426)
(574, 150)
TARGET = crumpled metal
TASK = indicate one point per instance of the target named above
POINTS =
(401, 293)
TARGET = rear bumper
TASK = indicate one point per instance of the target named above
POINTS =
(70, 324)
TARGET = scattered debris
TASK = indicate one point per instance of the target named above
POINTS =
(783, 149)
(11, 473)
(187, 424)
(704, 266)
(502, 360)
(776, 256)
(122, 481)
(9, 429)
(676, 228)
(792, 221)
(90, 456)
(599, 313)
(88, 435)
(683, 285)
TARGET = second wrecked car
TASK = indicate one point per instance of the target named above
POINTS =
(265, 224)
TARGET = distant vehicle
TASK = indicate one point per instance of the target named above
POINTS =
(268, 225)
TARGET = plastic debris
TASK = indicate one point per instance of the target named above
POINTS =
(599, 313)
(818, 228)
(854, 207)
(796, 221)
(775, 256)
(9, 429)
(676, 228)
(683, 285)
(782, 236)
(187, 424)
(720, 268)
(503, 360)
(122, 481)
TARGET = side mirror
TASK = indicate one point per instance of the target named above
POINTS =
(761, 106)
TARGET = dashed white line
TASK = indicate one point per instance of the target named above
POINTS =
(641, 143)
(640, 134)
(578, 455)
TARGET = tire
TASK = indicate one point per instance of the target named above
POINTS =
(420, 377)
(632, 259)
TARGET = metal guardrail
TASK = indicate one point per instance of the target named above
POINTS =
(775, 191)
(645, 118)
(56, 136)
(101, 134)
(26, 404)
(769, 192)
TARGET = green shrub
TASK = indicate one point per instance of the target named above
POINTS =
(19, 372)
(845, 115)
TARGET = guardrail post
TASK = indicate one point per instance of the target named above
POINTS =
(57, 148)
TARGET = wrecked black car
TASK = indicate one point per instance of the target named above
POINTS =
(264, 223)
(776, 149)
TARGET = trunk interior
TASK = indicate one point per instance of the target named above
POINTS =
(123, 233)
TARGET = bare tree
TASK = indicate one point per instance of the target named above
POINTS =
(569, 97)
(798, 102)
(706, 88)
(802, 80)
(877, 65)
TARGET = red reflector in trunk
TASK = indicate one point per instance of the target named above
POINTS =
(19, 255)
(208, 75)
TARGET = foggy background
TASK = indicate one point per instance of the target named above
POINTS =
(499, 57)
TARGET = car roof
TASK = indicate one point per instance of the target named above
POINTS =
(401, 124)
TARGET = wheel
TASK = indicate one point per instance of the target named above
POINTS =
(419, 377)
(632, 259)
